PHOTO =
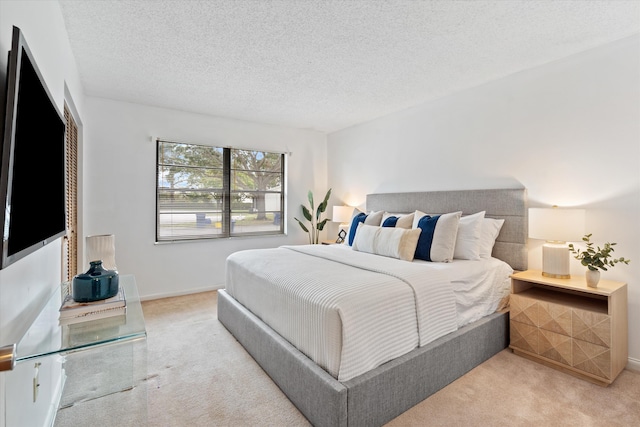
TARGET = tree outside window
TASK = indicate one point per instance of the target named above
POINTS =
(212, 192)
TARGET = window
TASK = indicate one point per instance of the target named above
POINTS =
(205, 192)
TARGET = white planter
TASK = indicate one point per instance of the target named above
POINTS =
(593, 277)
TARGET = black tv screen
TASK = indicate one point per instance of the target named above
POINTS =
(32, 181)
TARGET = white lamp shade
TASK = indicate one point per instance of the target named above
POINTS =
(342, 214)
(102, 247)
(555, 224)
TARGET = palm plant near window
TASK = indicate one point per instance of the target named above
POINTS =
(313, 216)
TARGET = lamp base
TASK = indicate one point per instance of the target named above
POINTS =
(555, 260)
(341, 235)
(556, 276)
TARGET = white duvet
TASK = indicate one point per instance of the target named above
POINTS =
(350, 311)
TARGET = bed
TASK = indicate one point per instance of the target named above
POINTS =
(330, 394)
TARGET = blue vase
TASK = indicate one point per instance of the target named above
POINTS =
(96, 284)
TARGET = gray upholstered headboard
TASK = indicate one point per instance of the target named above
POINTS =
(508, 204)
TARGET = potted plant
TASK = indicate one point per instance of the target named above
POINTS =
(316, 224)
(595, 259)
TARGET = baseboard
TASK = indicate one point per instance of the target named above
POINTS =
(633, 364)
(181, 293)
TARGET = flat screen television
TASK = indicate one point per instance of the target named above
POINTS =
(32, 180)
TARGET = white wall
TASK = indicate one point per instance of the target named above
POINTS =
(119, 198)
(568, 131)
(26, 284)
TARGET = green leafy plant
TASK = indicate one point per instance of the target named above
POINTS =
(316, 224)
(599, 258)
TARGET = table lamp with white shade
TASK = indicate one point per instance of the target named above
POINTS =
(102, 247)
(342, 214)
(557, 226)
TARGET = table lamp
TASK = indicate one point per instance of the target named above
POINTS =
(342, 214)
(556, 226)
(102, 247)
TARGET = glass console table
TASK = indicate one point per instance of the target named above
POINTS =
(98, 357)
(47, 336)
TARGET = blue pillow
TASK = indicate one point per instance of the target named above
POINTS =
(390, 221)
(354, 226)
(428, 225)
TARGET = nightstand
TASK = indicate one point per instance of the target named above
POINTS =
(329, 242)
(569, 326)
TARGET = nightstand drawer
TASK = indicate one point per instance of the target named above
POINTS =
(591, 327)
(523, 310)
(555, 346)
(545, 315)
(555, 318)
(591, 358)
(523, 336)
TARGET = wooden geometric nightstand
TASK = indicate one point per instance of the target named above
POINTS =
(569, 326)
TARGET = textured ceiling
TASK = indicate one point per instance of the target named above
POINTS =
(323, 65)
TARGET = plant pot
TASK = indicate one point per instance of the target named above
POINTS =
(593, 277)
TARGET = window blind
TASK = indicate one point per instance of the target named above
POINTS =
(209, 192)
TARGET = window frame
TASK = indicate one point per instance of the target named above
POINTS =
(227, 212)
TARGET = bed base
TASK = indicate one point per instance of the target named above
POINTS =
(377, 396)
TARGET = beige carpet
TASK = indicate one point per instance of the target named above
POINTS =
(200, 376)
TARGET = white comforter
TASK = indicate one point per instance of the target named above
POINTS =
(348, 311)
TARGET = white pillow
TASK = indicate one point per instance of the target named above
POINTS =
(416, 217)
(374, 218)
(490, 230)
(386, 241)
(404, 220)
(437, 240)
(468, 237)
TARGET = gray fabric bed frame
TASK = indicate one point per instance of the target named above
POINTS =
(380, 395)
